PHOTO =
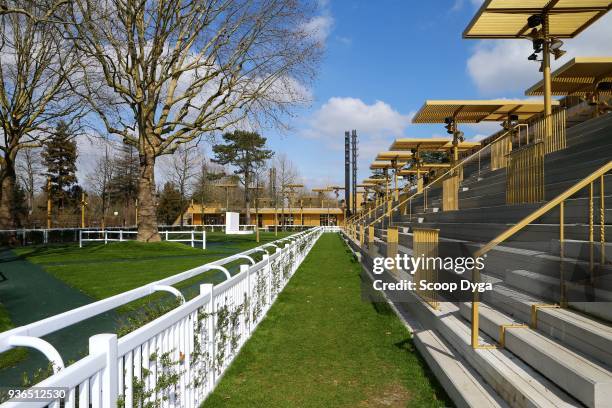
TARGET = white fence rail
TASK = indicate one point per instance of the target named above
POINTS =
(191, 236)
(179, 357)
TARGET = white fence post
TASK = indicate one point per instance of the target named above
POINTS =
(166, 235)
(80, 239)
(203, 239)
(120, 235)
(247, 269)
(192, 239)
(204, 290)
(106, 344)
(105, 237)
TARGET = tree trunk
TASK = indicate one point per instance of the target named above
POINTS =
(147, 214)
(247, 198)
(7, 183)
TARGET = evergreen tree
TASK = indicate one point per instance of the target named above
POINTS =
(246, 152)
(59, 157)
(169, 207)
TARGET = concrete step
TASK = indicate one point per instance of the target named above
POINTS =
(462, 383)
(516, 382)
(584, 379)
(580, 249)
(596, 302)
(580, 332)
(537, 235)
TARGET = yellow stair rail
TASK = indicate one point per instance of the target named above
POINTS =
(588, 181)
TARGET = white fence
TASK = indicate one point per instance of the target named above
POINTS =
(179, 357)
(106, 236)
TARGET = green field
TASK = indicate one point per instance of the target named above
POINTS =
(101, 271)
(321, 345)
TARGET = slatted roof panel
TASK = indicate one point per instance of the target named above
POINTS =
(475, 111)
(430, 144)
(394, 155)
(577, 77)
(508, 18)
(374, 181)
(385, 164)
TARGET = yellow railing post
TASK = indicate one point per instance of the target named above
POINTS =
(425, 245)
(361, 235)
(392, 243)
(450, 194)
(525, 175)
(602, 212)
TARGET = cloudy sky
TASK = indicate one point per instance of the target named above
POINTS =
(385, 58)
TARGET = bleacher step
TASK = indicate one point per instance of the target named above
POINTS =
(517, 383)
(464, 386)
(582, 333)
(584, 379)
(548, 287)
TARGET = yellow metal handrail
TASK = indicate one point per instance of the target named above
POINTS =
(545, 208)
(557, 201)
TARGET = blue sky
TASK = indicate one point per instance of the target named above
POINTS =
(385, 58)
(382, 60)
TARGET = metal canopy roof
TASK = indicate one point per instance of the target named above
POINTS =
(386, 164)
(475, 111)
(431, 144)
(508, 18)
(577, 77)
(374, 181)
(394, 155)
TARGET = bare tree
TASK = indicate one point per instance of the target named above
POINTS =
(34, 93)
(184, 166)
(101, 178)
(175, 70)
(286, 173)
(48, 9)
(29, 168)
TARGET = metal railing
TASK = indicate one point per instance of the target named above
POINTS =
(107, 236)
(589, 182)
(193, 343)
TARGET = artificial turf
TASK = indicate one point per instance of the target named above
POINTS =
(11, 357)
(101, 271)
(321, 345)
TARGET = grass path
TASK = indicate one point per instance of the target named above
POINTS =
(321, 345)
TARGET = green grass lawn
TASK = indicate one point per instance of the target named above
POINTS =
(101, 270)
(321, 345)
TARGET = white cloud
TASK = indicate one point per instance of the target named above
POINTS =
(320, 27)
(344, 40)
(341, 113)
(501, 65)
(377, 125)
